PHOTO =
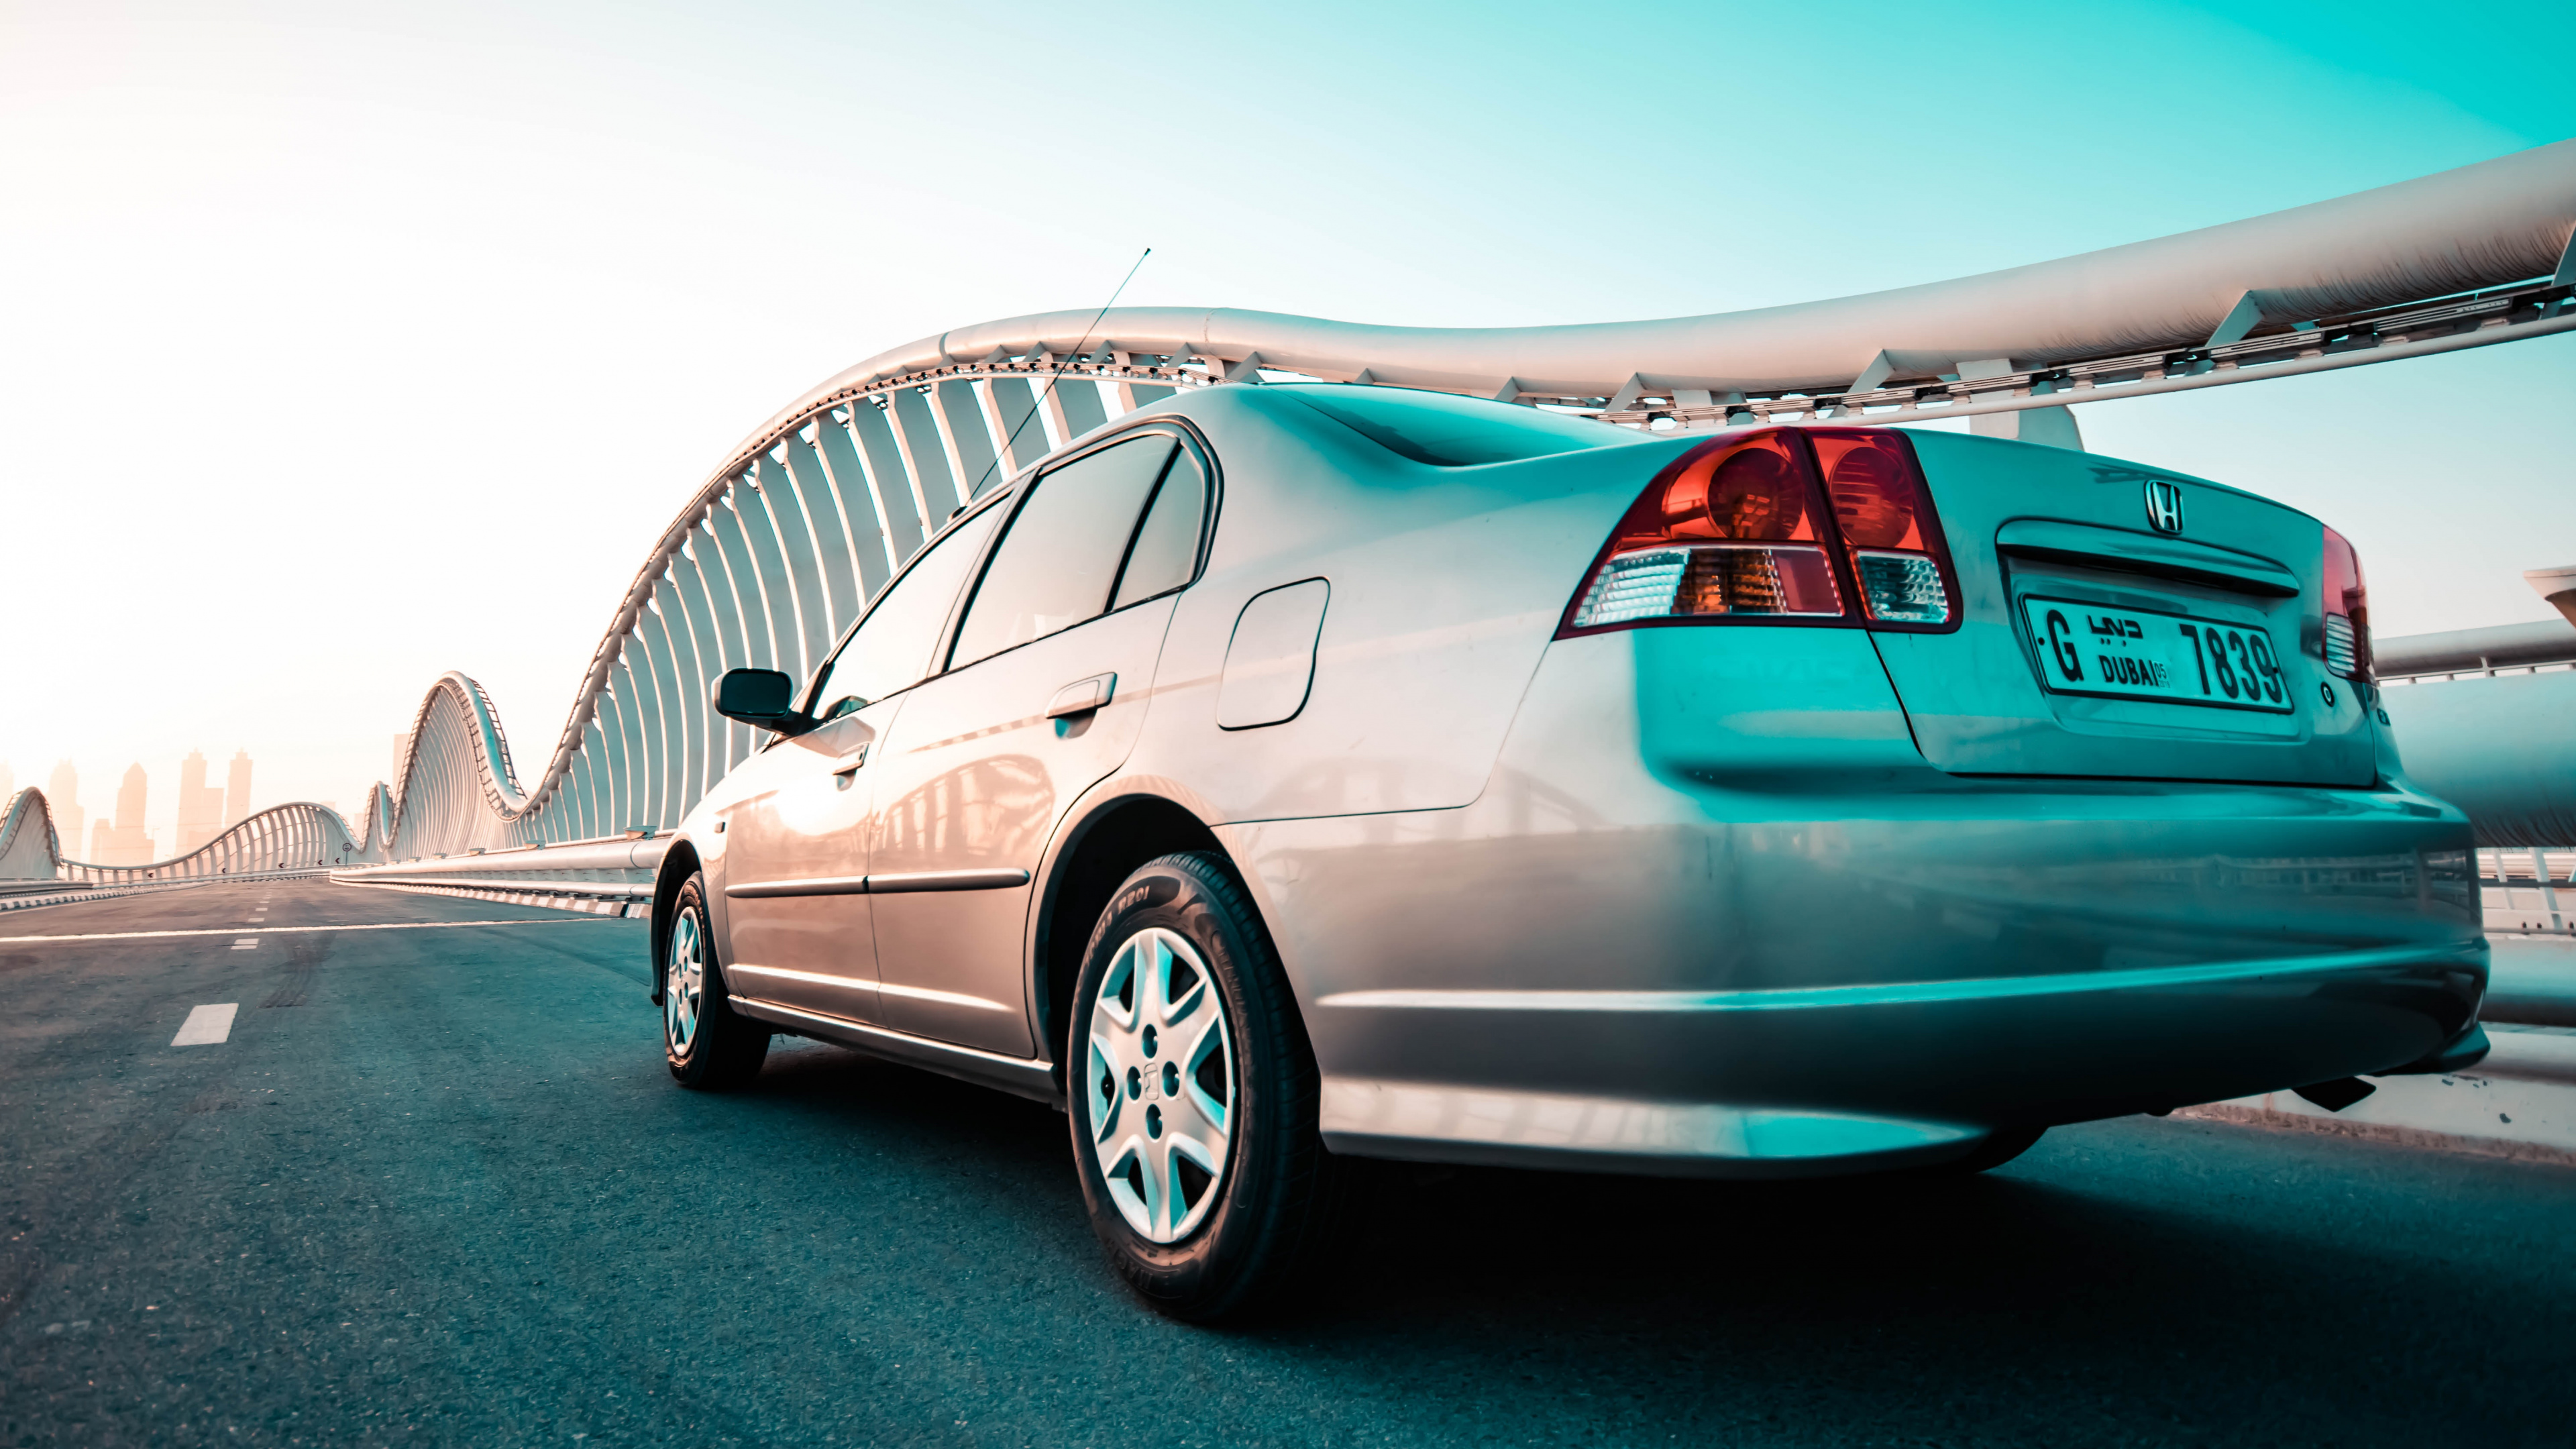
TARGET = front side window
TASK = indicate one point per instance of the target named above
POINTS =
(1059, 562)
(891, 650)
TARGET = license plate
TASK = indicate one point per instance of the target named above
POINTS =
(2147, 654)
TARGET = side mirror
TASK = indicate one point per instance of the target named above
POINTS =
(762, 698)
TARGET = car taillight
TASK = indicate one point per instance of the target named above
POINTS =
(1885, 514)
(1738, 530)
(1735, 530)
(2347, 610)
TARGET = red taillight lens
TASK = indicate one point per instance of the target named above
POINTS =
(1729, 531)
(2347, 610)
(1740, 530)
(1885, 515)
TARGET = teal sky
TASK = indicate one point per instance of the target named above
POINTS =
(305, 295)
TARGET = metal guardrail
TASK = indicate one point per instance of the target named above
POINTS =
(612, 876)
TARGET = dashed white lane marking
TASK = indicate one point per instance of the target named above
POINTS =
(280, 930)
(207, 1025)
(246, 943)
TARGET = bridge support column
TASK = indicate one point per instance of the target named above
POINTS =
(2054, 426)
(860, 505)
(707, 555)
(925, 457)
(889, 472)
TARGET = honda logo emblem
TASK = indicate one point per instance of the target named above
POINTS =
(2164, 505)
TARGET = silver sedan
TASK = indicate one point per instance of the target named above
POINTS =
(1292, 774)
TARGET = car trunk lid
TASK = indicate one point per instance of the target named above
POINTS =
(2124, 622)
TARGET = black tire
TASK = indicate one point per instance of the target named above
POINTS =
(712, 1047)
(1270, 1215)
(2001, 1146)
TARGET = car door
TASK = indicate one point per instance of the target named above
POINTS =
(799, 927)
(1045, 691)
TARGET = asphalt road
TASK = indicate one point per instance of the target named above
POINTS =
(435, 1187)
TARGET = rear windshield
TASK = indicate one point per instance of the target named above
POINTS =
(1448, 431)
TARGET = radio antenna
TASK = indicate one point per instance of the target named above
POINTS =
(1080, 349)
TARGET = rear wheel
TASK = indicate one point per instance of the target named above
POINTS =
(1194, 1095)
(709, 1046)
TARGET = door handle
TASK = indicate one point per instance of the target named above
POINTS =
(1082, 696)
(850, 761)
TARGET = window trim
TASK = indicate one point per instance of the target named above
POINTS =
(1190, 439)
(812, 694)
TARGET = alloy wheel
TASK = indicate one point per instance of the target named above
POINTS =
(684, 983)
(1161, 1084)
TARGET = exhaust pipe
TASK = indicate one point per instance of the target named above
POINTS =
(2336, 1095)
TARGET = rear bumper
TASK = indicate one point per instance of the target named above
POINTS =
(1808, 952)
(1782, 1080)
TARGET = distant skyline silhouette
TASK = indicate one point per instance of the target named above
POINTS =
(134, 830)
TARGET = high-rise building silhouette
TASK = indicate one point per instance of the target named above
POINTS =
(201, 807)
(126, 842)
(237, 789)
(62, 796)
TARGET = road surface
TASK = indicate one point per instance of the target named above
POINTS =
(433, 1186)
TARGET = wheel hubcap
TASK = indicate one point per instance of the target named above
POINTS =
(1162, 1085)
(684, 983)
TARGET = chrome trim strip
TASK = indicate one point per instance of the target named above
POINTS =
(944, 998)
(830, 885)
(2091, 546)
(947, 880)
(1787, 998)
(811, 978)
(860, 885)
(1019, 1076)
(852, 983)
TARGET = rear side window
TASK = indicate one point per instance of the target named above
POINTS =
(891, 650)
(1167, 545)
(1056, 566)
(1447, 431)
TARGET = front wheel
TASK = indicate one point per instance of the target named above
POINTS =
(1194, 1097)
(708, 1044)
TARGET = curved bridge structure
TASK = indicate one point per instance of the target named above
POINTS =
(775, 554)
(299, 836)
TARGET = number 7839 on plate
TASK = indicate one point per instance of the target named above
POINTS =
(2146, 654)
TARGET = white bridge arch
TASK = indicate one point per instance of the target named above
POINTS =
(297, 836)
(787, 540)
(776, 552)
(773, 556)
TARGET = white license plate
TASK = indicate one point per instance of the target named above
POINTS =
(2144, 654)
